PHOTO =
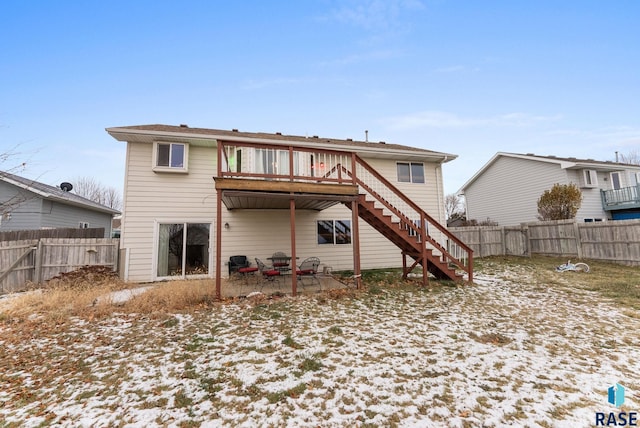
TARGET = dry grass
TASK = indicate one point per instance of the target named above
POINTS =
(60, 302)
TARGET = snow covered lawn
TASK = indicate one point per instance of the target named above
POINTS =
(507, 351)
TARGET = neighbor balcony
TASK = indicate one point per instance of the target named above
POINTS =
(619, 199)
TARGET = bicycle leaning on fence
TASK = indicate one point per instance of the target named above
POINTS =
(575, 267)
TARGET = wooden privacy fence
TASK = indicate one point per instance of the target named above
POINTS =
(37, 260)
(615, 241)
(64, 232)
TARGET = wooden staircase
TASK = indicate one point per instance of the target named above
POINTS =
(410, 228)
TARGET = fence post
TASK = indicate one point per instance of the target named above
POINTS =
(576, 232)
(480, 242)
(37, 268)
(527, 239)
(503, 238)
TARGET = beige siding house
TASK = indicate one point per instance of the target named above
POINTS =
(507, 188)
(195, 197)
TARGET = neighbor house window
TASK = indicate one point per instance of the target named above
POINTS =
(183, 249)
(590, 178)
(83, 225)
(170, 157)
(410, 172)
(615, 180)
(334, 232)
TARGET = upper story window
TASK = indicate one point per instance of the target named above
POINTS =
(615, 180)
(410, 172)
(590, 178)
(170, 157)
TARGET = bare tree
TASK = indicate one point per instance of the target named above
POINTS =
(90, 188)
(632, 158)
(453, 205)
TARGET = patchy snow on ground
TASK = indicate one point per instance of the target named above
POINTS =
(500, 353)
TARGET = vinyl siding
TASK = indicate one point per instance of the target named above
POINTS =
(55, 214)
(23, 216)
(151, 197)
(508, 191)
(591, 207)
(165, 197)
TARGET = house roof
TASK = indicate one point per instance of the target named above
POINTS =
(562, 162)
(54, 193)
(138, 133)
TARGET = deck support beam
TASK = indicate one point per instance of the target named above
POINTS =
(292, 220)
(355, 232)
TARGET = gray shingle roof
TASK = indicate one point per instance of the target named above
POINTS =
(54, 193)
(324, 142)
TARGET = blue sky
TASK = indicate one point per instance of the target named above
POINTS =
(465, 77)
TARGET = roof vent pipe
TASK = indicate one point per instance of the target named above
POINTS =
(366, 135)
(616, 156)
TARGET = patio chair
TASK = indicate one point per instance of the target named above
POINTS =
(268, 272)
(242, 266)
(281, 261)
(309, 269)
(237, 262)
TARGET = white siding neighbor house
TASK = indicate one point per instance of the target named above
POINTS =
(507, 188)
(195, 197)
(27, 204)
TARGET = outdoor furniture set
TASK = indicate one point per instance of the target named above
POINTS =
(241, 267)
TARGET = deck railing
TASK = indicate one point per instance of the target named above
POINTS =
(623, 196)
(263, 161)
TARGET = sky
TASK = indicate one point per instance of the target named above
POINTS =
(469, 78)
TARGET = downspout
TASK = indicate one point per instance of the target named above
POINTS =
(440, 189)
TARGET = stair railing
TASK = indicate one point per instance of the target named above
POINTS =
(411, 217)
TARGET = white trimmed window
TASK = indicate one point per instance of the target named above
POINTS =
(83, 225)
(615, 181)
(590, 178)
(334, 232)
(410, 172)
(172, 157)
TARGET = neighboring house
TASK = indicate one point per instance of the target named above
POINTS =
(507, 188)
(194, 197)
(27, 204)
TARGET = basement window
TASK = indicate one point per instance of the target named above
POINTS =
(170, 157)
(334, 232)
(410, 172)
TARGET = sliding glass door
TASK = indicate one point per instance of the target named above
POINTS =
(183, 249)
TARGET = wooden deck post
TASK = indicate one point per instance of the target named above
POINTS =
(425, 259)
(355, 232)
(292, 220)
(219, 228)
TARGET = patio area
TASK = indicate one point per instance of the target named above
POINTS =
(238, 285)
